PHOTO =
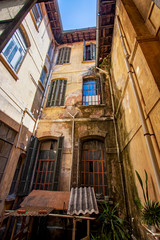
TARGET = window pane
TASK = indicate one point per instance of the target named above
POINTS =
(91, 166)
(91, 92)
(43, 76)
(15, 50)
(37, 13)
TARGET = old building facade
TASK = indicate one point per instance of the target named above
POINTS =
(68, 121)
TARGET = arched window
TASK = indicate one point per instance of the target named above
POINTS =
(63, 55)
(93, 169)
(41, 173)
(56, 96)
(15, 49)
(91, 91)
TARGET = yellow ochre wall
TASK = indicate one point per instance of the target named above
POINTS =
(140, 24)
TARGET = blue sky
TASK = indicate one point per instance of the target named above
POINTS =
(77, 14)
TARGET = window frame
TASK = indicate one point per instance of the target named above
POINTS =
(89, 51)
(91, 98)
(36, 8)
(64, 55)
(19, 43)
(57, 92)
(44, 74)
(85, 165)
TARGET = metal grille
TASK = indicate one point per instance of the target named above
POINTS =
(93, 170)
(91, 92)
(45, 166)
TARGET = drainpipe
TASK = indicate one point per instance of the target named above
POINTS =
(147, 135)
(117, 144)
(97, 33)
(73, 125)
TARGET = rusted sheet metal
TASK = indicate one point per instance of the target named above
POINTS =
(47, 199)
(82, 201)
(31, 211)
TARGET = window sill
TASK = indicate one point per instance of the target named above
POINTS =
(61, 107)
(92, 106)
(63, 64)
(88, 61)
(8, 67)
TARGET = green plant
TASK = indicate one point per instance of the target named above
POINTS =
(138, 203)
(112, 226)
(106, 63)
(151, 209)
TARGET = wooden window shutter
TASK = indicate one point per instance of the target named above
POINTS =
(50, 95)
(59, 56)
(92, 51)
(27, 171)
(56, 96)
(63, 92)
(58, 163)
(84, 50)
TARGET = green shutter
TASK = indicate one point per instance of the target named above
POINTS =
(27, 171)
(63, 92)
(84, 50)
(50, 95)
(58, 163)
(68, 55)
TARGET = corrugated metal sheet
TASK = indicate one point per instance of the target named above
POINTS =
(82, 201)
(56, 200)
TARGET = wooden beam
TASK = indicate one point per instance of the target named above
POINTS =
(108, 2)
(11, 28)
(107, 26)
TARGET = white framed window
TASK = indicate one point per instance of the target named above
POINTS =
(15, 50)
(36, 10)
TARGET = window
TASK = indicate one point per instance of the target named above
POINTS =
(63, 55)
(7, 136)
(89, 51)
(15, 49)
(50, 51)
(43, 76)
(93, 170)
(36, 10)
(46, 165)
(56, 96)
(45, 172)
(91, 92)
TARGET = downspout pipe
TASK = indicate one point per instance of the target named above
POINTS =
(147, 135)
(73, 126)
(117, 144)
(97, 33)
